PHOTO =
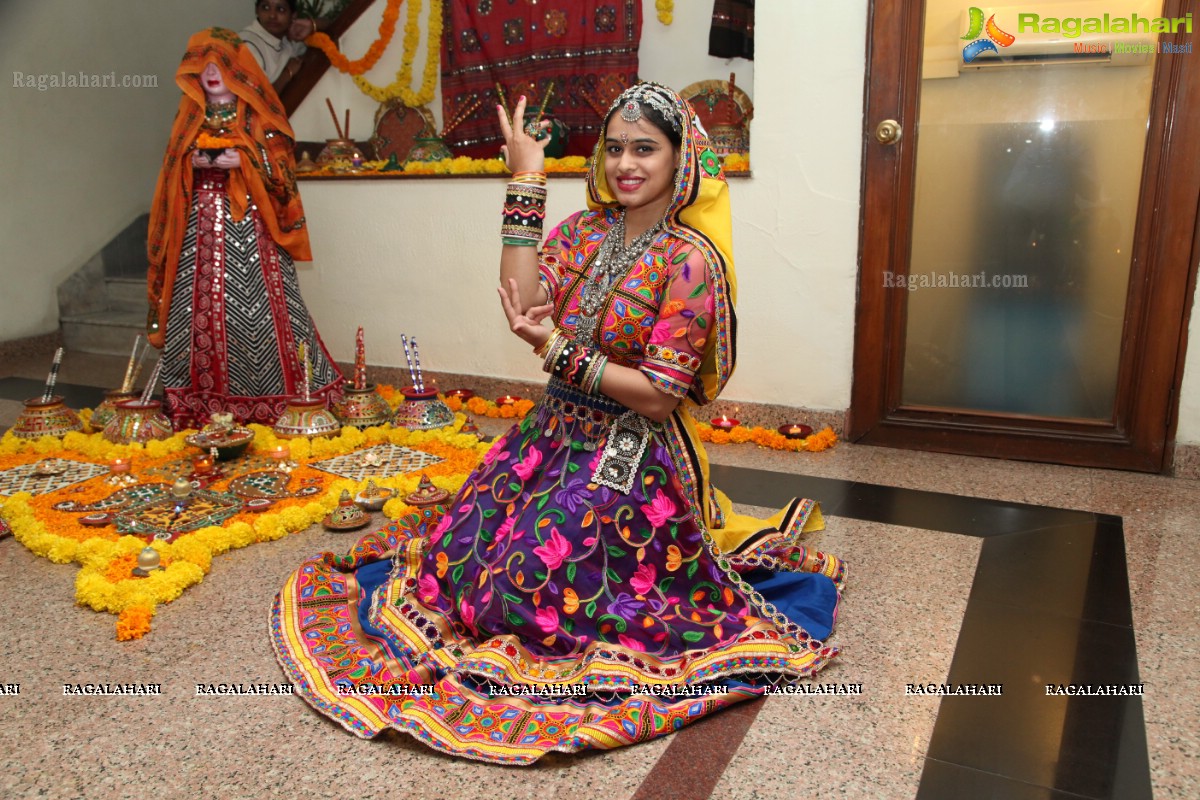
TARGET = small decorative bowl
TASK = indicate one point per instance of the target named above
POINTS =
(376, 501)
(229, 443)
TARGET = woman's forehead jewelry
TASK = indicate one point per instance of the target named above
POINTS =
(624, 138)
(657, 97)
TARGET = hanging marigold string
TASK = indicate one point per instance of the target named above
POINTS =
(387, 28)
(666, 10)
(399, 88)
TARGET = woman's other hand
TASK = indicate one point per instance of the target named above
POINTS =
(522, 152)
(201, 160)
(527, 325)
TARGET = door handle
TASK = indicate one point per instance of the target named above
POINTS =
(888, 132)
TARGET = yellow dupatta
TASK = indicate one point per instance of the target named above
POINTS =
(700, 214)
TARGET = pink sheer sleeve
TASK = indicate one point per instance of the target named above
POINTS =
(552, 274)
(677, 343)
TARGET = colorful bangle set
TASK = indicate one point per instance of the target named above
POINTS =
(524, 209)
(580, 366)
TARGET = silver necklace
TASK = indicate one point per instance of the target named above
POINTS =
(614, 260)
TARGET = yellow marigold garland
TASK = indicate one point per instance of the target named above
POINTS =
(399, 88)
(105, 581)
(387, 28)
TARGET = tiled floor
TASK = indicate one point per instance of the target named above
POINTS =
(961, 570)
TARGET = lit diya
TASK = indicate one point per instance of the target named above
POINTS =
(427, 494)
(795, 430)
(725, 423)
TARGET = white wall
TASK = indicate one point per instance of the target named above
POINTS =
(78, 165)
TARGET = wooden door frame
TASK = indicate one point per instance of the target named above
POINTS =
(1162, 281)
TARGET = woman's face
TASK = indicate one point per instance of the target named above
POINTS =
(639, 163)
(213, 82)
(275, 16)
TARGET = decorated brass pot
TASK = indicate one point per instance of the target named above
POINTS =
(46, 418)
(135, 421)
(362, 408)
(306, 418)
(422, 411)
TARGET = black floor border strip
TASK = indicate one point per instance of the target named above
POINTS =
(1032, 558)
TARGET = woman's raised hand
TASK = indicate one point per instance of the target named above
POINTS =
(527, 324)
(524, 147)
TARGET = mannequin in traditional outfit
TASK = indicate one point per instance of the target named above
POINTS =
(225, 226)
(587, 555)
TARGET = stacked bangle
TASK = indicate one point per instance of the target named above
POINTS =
(524, 209)
(580, 366)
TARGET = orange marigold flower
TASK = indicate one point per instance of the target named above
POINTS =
(133, 623)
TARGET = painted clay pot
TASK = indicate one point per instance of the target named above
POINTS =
(422, 411)
(108, 408)
(362, 408)
(135, 421)
(46, 418)
(306, 418)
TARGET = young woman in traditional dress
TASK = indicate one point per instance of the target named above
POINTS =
(587, 588)
(225, 226)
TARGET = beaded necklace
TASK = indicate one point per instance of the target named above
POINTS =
(613, 261)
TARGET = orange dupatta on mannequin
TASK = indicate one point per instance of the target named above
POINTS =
(266, 177)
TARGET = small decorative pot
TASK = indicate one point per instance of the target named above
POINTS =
(429, 148)
(135, 421)
(338, 150)
(46, 418)
(362, 408)
(422, 411)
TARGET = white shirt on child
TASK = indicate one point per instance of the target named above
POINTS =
(271, 53)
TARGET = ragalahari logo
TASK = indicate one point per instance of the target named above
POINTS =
(984, 44)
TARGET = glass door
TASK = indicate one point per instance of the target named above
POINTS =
(1029, 218)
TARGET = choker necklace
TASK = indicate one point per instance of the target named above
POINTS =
(614, 260)
(220, 115)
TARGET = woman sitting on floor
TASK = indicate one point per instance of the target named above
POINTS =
(587, 557)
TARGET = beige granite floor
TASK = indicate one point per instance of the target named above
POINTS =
(899, 624)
